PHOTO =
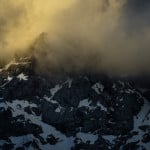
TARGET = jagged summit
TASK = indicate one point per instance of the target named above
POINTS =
(72, 111)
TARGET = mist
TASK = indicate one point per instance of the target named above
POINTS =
(100, 36)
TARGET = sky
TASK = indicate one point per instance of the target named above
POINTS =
(110, 36)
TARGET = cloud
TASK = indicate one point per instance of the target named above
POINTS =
(21, 22)
(79, 35)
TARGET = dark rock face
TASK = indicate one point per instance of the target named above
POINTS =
(25, 89)
(81, 111)
(10, 126)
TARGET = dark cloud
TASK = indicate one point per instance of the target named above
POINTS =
(137, 14)
(138, 6)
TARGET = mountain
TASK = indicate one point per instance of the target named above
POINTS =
(71, 111)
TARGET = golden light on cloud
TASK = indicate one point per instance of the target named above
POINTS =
(24, 20)
(80, 34)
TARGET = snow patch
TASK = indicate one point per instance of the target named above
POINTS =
(2, 142)
(129, 91)
(121, 83)
(18, 106)
(59, 109)
(141, 119)
(3, 105)
(9, 78)
(87, 137)
(109, 138)
(55, 89)
(98, 87)
(22, 76)
(50, 100)
(69, 82)
(101, 106)
(18, 109)
(20, 140)
(85, 103)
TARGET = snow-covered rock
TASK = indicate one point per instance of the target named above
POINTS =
(85, 111)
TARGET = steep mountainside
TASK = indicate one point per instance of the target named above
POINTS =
(82, 111)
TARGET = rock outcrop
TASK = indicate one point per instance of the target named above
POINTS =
(82, 111)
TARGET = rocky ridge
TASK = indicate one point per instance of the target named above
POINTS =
(71, 112)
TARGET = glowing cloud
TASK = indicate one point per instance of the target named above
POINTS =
(77, 35)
